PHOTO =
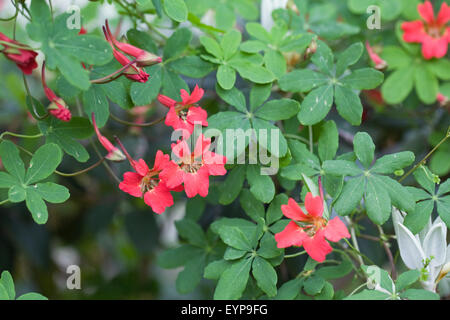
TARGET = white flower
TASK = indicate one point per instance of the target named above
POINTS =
(267, 6)
(427, 251)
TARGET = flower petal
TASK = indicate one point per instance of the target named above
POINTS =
(131, 184)
(293, 211)
(426, 11)
(444, 14)
(159, 198)
(317, 247)
(314, 205)
(292, 235)
(336, 230)
(414, 31)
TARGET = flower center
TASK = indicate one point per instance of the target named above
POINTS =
(148, 183)
(314, 225)
(435, 31)
(183, 115)
(191, 167)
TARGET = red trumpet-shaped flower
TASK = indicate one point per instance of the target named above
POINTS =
(146, 182)
(143, 58)
(433, 32)
(380, 64)
(193, 169)
(180, 118)
(17, 52)
(310, 230)
(57, 107)
(132, 72)
(114, 154)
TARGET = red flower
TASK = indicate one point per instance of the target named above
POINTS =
(146, 182)
(114, 154)
(433, 33)
(178, 117)
(443, 100)
(24, 58)
(57, 107)
(380, 64)
(193, 169)
(143, 58)
(310, 230)
(132, 72)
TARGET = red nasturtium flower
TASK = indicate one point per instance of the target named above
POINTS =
(132, 72)
(193, 169)
(147, 183)
(57, 107)
(114, 154)
(380, 64)
(143, 58)
(310, 230)
(433, 32)
(24, 58)
(180, 118)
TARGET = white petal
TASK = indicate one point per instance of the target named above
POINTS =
(435, 244)
(410, 248)
(397, 218)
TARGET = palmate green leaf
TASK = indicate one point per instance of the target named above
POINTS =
(265, 276)
(323, 58)
(235, 237)
(301, 154)
(274, 212)
(396, 57)
(253, 72)
(443, 209)
(7, 180)
(349, 57)
(259, 93)
(417, 219)
(212, 47)
(215, 269)
(400, 196)
(178, 256)
(392, 162)
(11, 160)
(369, 295)
(36, 206)
(232, 185)
(313, 285)
(233, 280)
(52, 192)
(350, 196)
(94, 100)
(289, 290)
(363, 79)
(32, 296)
(276, 110)
(419, 294)
(270, 136)
(43, 163)
(440, 68)
(378, 202)
(341, 168)
(251, 205)
(144, 93)
(191, 231)
(3, 293)
(176, 9)
(302, 80)
(423, 176)
(275, 62)
(252, 46)
(172, 83)
(177, 43)
(16, 194)
(257, 31)
(226, 77)
(261, 186)
(268, 247)
(427, 85)
(191, 66)
(230, 43)
(191, 275)
(8, 284)
(233, 254)
(316, 105)
(233, 97)
(406, 279)
(364, 148)
(348, 104)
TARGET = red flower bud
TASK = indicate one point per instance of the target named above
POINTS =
(24, 58)
(57, 107)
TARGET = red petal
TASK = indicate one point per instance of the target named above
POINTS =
(159, 198)
(141, 167)
(166, 101)
(197, 115)
(172, 175)
(444, 14)
(161, 161)
(131, 184)
(317, 247)
(196, 183)
(314, 205)
(292, 235)
(414, 31)
(426, 11)
(293, 211)
(434, 48)
(336, 230)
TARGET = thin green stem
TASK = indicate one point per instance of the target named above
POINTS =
(295, 254)
(133, 124)
(73, 174)
(354, 240)
(293, 136)
(311, 144)
(7, 133)
(388, 252)
(4, 201)
(33, 106)
(357, 289)
(105, 78)
(426, 157)
(14, 16)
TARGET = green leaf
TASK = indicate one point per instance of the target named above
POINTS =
(392, 162)
(349, 57)
(267, 135)
(302, 80)
(348, 104)
(396, 57)
(369, 295)
(3, 293)
(336, 272)
(144, 93)
(253, 72)
(230, 43)
(177, 43)
(419, 294)
(232, 185)
(252, 46)
(341, 168)
(265, 276)
(191, 66)
(259, 94)
(350, 196)
(289, 290)
(235, 237)
(191, 275)
(423, 176)
(233, 281)
(191, 231)
(378, 202)
(261, 186)
(364, 148)
(328, 140)
(406, 279)
(178, 256)
(233, 97)
(52, 192)
(313, 285)
(268, 247)
(440, 68)
(226, 76)
(7, 180)
(32, 296)
(274, 212)
(142, 40)
(316, 105)
(176, 10)
(251, 205)
(276, 110)
(323, 57)
(36, 206)
(398, 85)
(94, 100)
(443, 209)
(233, 254)
(172, 83)
(400, 196)
(16, 194)
(275, 62)
(364, 79)
(11, 160)
(417, 219)
(427, 85)
(43, 163)
(7, 281)
(215, 269)
(256, 30)
(212, 46)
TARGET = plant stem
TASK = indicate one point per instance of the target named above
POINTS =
(311, 144)
(102, 80)
(295, 254)
(388, 253)
(293, 136)
(132, 124)
(4, 201)
(426, 157)
(7, 133)
(359, 287)
(32, 101)
(354, 240)
(81, 171)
